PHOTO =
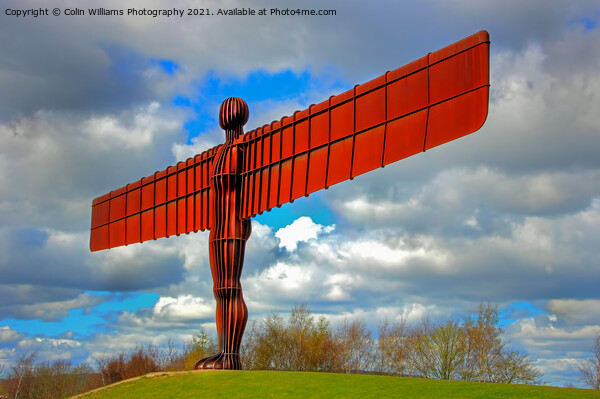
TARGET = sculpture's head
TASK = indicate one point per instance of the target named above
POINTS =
(233, 113)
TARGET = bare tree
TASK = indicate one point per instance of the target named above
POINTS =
(449, 341)
(248, 347)
(589, 369)
(172, 359)
(419, 356)
(270, 341)
(487, 357)
(112, 367)
(356, 346)
(323, 350)
(484, 344)
(21, 375)
(299, 336)
(392, 351)
(513, 367)
(143, 360)
(438, 352)
(309, 342)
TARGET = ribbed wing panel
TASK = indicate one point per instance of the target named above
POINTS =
(170, 202)
(431, 101)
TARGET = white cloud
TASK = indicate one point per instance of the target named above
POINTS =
(7, 334)
(199, 144)
(340, 283)
(63, 161)
(577, 312)
(302, 229)
(337, 293)
(108, 131)
(381, 255)
(52, 349)
(183, 308)
(556, 350)
(283, 277)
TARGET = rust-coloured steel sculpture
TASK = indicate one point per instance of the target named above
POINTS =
(429, 102)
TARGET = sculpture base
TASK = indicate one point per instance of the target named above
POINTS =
(220, 361)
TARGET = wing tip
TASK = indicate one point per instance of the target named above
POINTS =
(483, 35)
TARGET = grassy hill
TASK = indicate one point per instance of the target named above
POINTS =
(271, 384)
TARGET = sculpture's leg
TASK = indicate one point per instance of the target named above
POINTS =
(227, 257)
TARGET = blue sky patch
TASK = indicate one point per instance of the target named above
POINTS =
(519, 310)
(129, 302)
(85, 321)
(80, 322)
(312, 206)
(182, 102)
(257, 86)
(29, 237)
(169, 67)
(586, 22)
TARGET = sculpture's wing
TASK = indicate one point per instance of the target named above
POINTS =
(170, 202)
(436, 99)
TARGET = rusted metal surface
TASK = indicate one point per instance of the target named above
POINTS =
(170, 202)
(431, 101)
(227, 241)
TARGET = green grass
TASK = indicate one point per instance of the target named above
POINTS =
(272, 384)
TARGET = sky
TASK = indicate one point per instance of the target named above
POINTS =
(509, 215)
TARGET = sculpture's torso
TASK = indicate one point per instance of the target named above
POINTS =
(226, 186)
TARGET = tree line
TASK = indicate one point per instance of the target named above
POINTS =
(28, 378)
(470, 349)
